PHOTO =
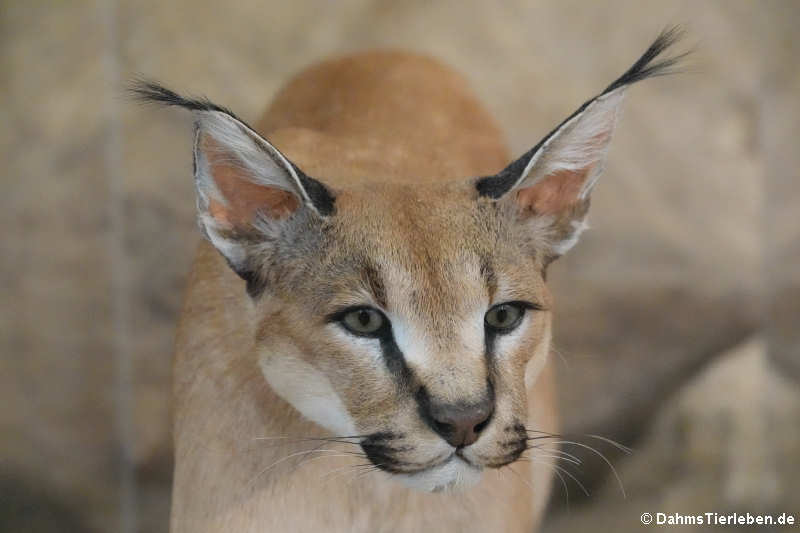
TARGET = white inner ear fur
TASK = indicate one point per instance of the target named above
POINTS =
(581, 143)
(262, 162)
(259, 162)
(232, 250)
(563, 246)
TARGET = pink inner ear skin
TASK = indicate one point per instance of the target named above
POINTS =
(243, 198)
(555, 193)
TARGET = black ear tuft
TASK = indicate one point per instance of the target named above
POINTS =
(645, 67)
(148, 91)
(151, 92)
(247, 190)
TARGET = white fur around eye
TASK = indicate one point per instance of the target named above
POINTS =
(472, 335)
(364, 346)
(508, 342)
(411, 342)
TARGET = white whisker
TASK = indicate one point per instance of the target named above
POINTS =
(279, 461)
(603, 457)
(557, 473)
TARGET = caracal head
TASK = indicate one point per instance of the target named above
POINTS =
(415, 317)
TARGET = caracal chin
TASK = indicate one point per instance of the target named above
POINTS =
(364, 341)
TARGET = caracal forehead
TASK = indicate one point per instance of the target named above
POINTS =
(439, 252)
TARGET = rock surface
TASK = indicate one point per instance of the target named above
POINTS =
(726, 442)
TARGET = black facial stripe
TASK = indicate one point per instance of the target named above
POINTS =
(381, 453)
(517, 427)
(386, 449)
(491, 334)
(489, 341)
(507, 459)
(378, 448)
(396, 362)
(382, 436)
(424, 407)
(489, 345)
(489, 276)
(375, 284)
(392, 355)
(382, 459)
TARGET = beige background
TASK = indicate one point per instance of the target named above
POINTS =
(677, 315)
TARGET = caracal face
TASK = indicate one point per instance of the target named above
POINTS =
(421, 266)
(410, 316)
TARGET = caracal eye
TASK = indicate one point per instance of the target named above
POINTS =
(364, 321)
(504, 317)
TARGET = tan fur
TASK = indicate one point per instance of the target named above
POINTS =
(395, 136)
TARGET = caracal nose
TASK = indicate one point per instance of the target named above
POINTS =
(461, 425)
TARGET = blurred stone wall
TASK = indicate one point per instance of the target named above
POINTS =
(677, 314)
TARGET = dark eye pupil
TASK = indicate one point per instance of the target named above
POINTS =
(363, 318)
(502, 315)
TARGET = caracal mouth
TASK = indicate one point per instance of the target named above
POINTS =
(452, 474)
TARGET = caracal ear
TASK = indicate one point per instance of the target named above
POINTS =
(552, 182)
(246, 189)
